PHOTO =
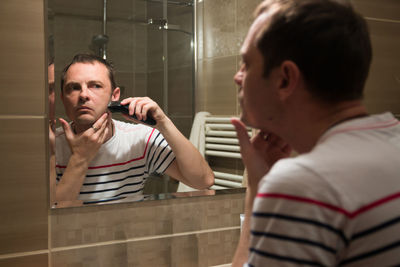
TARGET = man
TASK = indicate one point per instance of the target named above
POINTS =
(101, 159)
(301, 83)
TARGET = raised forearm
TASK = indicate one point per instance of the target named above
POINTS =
(193, 168)
(71, 182)
(242, 250)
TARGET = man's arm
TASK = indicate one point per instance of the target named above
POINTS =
(84, 147)
(189, 166)
(258, 154)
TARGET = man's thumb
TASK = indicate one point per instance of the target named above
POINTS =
(67, 128)
(242, 135)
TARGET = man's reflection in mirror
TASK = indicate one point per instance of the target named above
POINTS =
(100, 158)
(51, 85)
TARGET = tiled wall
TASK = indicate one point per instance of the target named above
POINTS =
(199, 231)
(223, 24)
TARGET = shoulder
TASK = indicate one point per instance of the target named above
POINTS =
(127, 128)
(293, 175)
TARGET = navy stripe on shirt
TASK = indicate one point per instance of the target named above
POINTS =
(168, 165)
(128, 192)
(303, 220)
(371, 253)
(295, 239)
(374, 229)
(155, 150)
(169, 153)
(152, 144)
(110, 189)
(159, 155)
(284, 258)
(117, 180)
(109, 173)
(116, 172)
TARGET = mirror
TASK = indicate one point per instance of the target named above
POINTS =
(151, 44)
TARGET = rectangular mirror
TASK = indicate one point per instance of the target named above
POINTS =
(151, 44)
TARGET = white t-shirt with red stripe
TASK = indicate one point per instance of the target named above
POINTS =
(338, 205)
(122, 164)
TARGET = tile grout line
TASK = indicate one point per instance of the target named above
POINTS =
(22, 117)
(23, 254)
(142, 239)
(44, 251)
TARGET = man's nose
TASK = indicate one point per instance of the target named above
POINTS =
(84, 93)
(238, 78)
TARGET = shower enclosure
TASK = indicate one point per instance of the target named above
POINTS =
(150, 43)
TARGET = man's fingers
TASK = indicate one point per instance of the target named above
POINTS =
(69, 134)
(97, 125)
(243, 136)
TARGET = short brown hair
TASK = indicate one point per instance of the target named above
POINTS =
(327, 40)
(89, 58)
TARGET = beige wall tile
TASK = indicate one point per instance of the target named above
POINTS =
(156, 252)
(155, 83)
(96, 256)
(217, 248)
(183, 123)
(219, 28)
(199, 29)
(140, 45)
(179, 49)
(387, 9)
(127, 81)
(40, 260)
(154, 49)
(23, 185)
(140, 85)
(121, 43)
(88, 225)
(200, 93)
(244, 18)
(22, 61)
(207, 212)
(203, 249)
(217, 82)
(180, 91)
(383, 85)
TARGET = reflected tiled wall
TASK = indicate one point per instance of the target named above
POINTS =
(199, 231)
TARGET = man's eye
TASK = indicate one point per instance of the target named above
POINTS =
(74, 87)
(95, 85)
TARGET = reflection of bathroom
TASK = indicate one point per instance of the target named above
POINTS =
(198, 231)
(150, 44)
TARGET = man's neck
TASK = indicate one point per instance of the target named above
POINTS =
(308, 127)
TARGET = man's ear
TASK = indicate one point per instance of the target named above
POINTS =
(116, 94)
(289, 79)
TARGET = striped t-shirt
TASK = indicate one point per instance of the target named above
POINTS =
(122, 164)
(338, 205)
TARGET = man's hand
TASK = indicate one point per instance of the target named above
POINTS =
(259, 153)
(85, 145)
(143, 106)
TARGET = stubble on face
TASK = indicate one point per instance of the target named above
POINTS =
(251, 79)
(86, 93)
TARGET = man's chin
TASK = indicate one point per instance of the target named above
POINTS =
(84, 120)
(248, 122)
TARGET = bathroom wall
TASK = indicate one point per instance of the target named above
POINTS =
(223, 24)
(200, 231)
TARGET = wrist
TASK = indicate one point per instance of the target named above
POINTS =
(78, 161)
(164, 124)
